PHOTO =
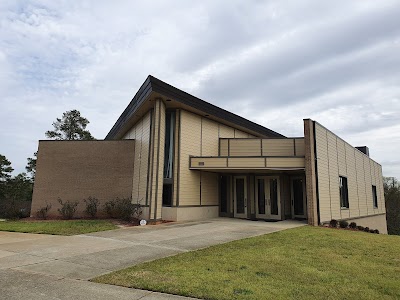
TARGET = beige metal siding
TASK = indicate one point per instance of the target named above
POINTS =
(246, 162)
(141, 133)
(368, 184)
(189, 182)
(337, 158)
(285, 162)
(240, 134)
(223, 147)
(379, 187)
(199, 163)
(226, 132)
(333, 172)
(262, 147)
(144, 158)
(137, 130)
(209, 188)
(323, 174)
(362, 196)
(352, 181)
(341, 153)
(200, 137)
(208, 162)
(209, 137)
(245, 147)
(157, 165)
(278, 147)
(374, 176)
(300, 147)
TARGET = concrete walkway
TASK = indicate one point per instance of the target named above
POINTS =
(35, 266)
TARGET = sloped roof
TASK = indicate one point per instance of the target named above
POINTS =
(153, 84)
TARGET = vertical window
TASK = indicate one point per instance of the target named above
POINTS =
(374, 196)
(344, 195)
(168, 158)
(169, 143)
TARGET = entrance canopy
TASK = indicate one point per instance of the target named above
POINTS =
(236, 163)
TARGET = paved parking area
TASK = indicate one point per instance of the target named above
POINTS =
(34, 266)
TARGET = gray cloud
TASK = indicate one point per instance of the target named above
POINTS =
(274, 62)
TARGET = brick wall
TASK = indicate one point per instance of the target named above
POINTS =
(75, 170)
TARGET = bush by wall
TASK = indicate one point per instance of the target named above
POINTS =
(67, 209)
(123, 208)
(343, 224)
(353, 225)
(91, 206)
(333, 223)
(43, 212)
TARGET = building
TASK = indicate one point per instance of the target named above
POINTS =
(185, 159)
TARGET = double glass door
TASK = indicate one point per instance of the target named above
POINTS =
(268, 204)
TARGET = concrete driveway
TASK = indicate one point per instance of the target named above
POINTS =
(35, 266)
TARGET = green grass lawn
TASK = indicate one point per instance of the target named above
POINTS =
(301, 263)
(61, 227)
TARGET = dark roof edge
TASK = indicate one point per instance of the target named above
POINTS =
(211, 109)
(154, 84)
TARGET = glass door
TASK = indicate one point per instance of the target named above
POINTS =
(298, 197)
(240, 197)
(268, 204)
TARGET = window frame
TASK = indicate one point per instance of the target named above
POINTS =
(344, 192)
(374, 196)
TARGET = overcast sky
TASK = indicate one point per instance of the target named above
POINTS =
(273, 62)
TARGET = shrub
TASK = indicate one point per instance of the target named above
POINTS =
(361, 228)
(67, 209)
(110, 209)
(372, 230)
(366, 229)
(333, 223)
(123, 208)
(343, 224)
(127, 211)
(376, 231)
(91, 206)
(353, 225)
(43, 212)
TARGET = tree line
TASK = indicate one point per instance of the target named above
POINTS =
(392, 200)
(16, 191)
